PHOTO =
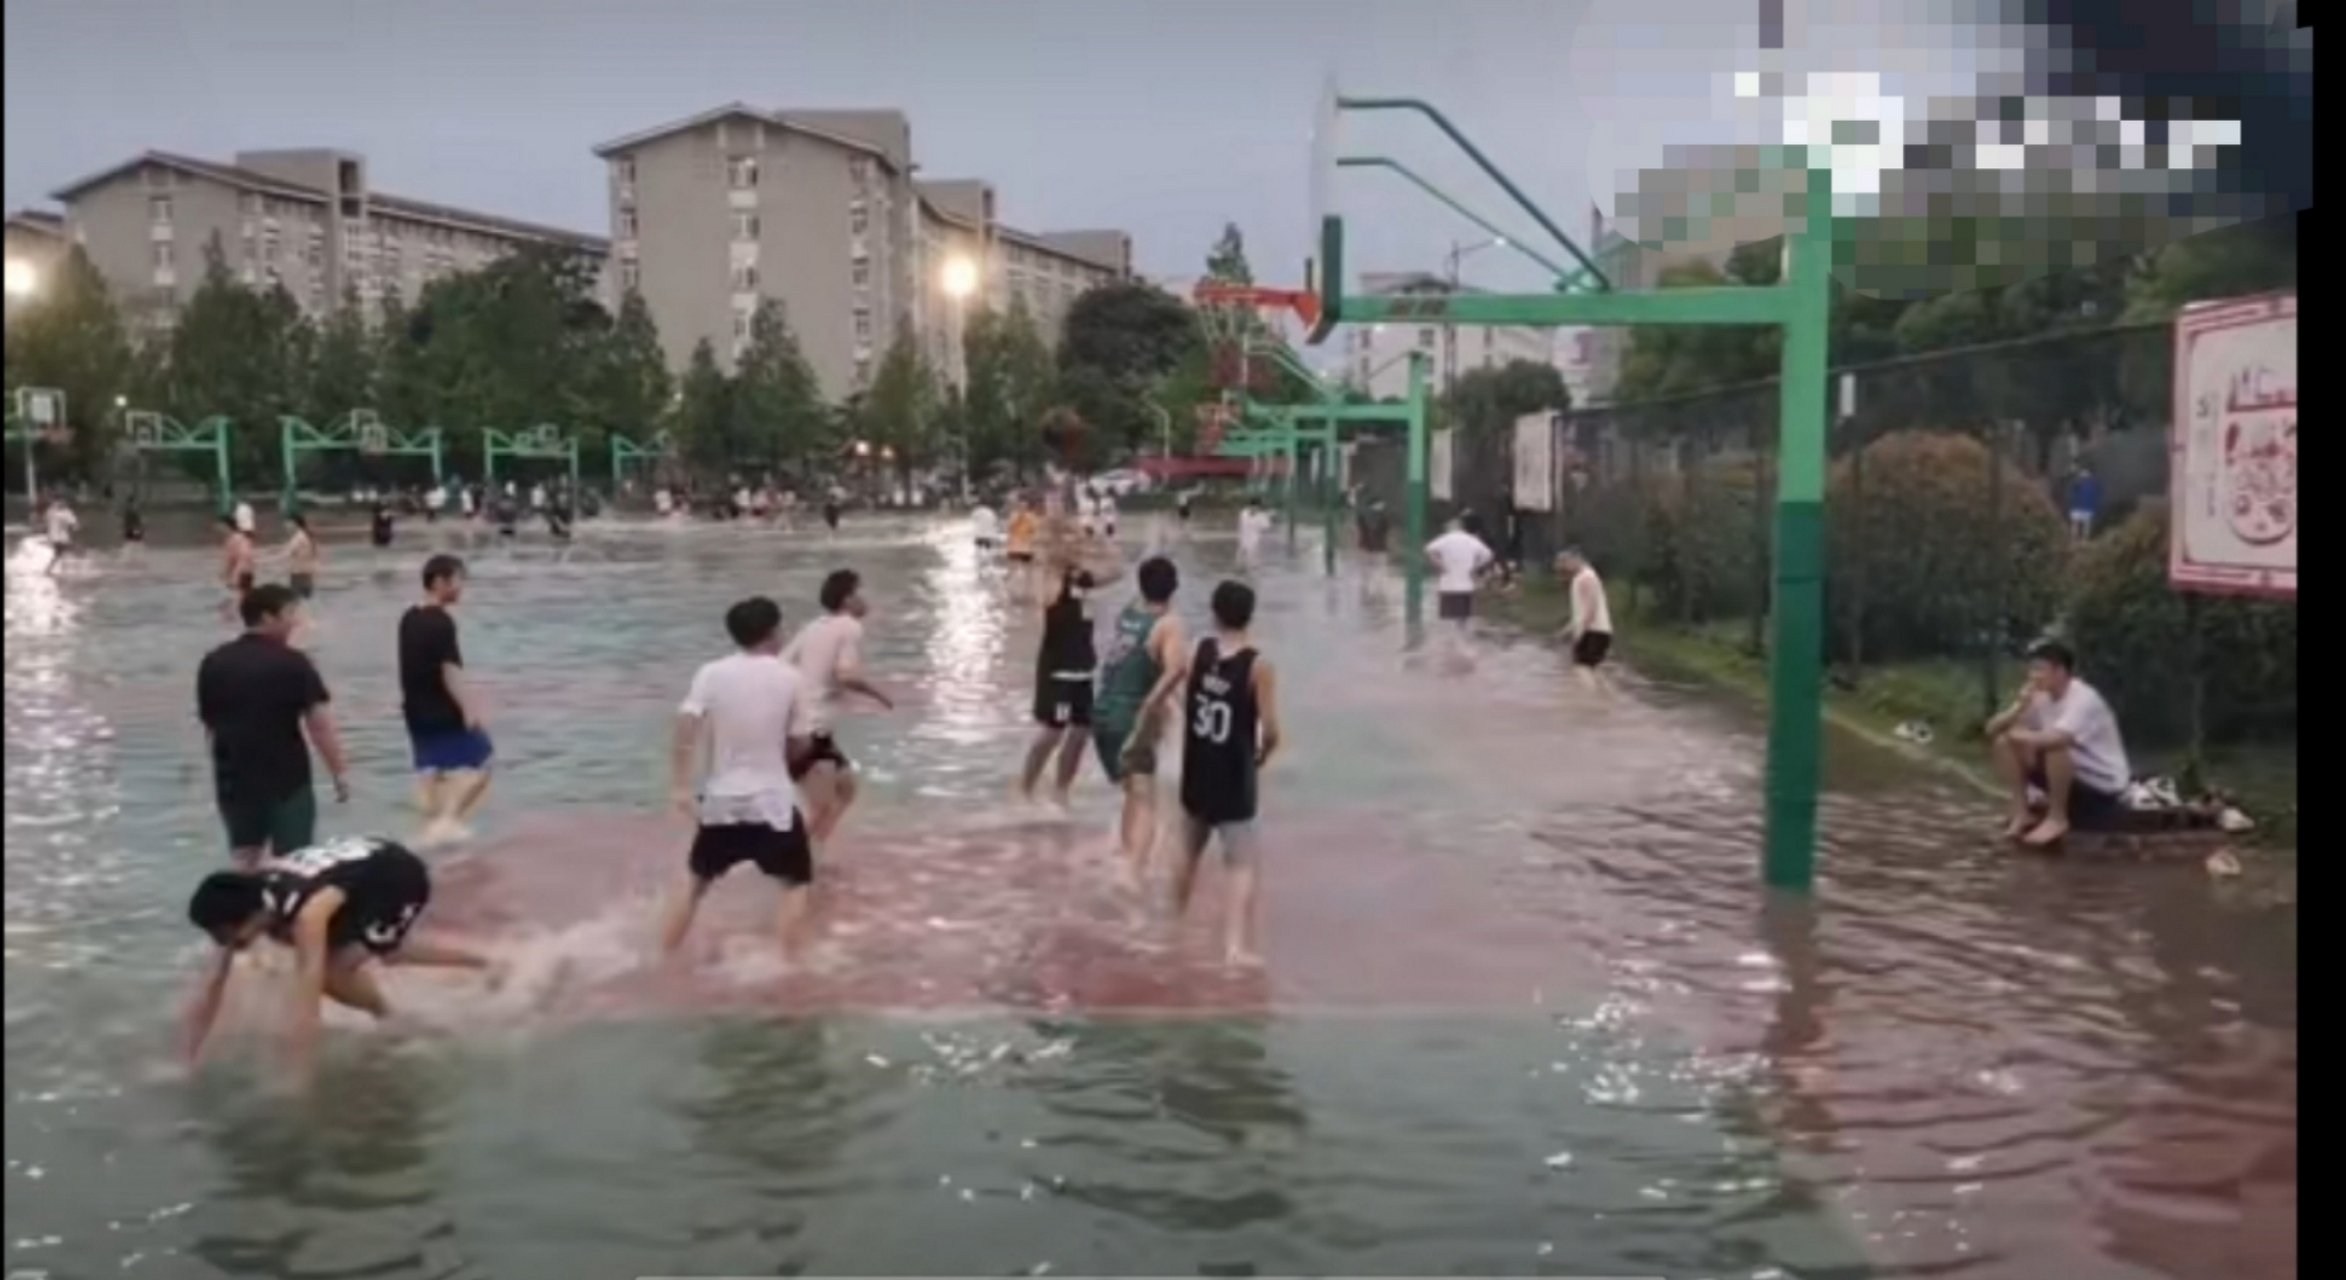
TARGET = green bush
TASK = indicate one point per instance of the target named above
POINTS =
(1705, 552)
(1926, 559)
(2133, 638)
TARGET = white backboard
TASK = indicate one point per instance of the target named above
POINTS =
(1438, 465)
(1535, 462)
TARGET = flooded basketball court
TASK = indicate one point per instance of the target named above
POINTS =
(1525, 1010)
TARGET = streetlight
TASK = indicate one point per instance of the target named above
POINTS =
(23, 279)
(1459, 254)
(960, 280)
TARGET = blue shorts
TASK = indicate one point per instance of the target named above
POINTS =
(451, 751)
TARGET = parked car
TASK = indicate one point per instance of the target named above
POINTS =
(1121, 483)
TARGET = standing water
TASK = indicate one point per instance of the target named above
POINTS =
(1524, 1011)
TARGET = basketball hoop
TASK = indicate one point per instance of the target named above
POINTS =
(1213, 419)
(373, 439)
(1237, 316)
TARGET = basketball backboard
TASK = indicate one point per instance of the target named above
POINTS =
(1324, 270)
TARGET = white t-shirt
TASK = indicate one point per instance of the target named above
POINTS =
(435, 498)
(2096, 750)
(1251, 525)
(984, 525)
(1592, 613)
(244, 517)
(62, 524)
(819, 651)
(1458, 556)
(750, 705)
(1108, 508)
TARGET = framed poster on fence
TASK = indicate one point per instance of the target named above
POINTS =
(2232, 478)
(1438, 465)
(1535, 462)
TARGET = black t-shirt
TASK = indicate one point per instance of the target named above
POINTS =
(384, 889)
(1068, 645)
(427, 642)
(1375, 531)
(251, 694)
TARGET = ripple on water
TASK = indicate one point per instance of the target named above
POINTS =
(1523, 1010)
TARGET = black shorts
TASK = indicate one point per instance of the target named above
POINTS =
(988, 544)
(1590, 649)
(1061, 701)
(826, 748)
(787, 856)
(1455, 606)
(244, 584)
(1022, 557)
(2089, 809)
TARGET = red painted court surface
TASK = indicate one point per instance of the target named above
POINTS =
(1006, 911)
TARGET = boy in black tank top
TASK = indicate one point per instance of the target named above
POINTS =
(1230, 730)
(1063, 687)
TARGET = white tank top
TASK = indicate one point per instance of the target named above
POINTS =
(1587, 588)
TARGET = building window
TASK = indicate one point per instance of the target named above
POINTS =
(862, 271)
(631, 275)
(269, 244)
(859, 219)
(745, 224)
(863, 326)
(159, 210)
(859, 169)
(741, 173)
(863, 371)
(165, 259)
(627, 224)
(625, 169)
(745, 277)
(741, 324)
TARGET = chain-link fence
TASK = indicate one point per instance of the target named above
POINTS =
(1951, 541)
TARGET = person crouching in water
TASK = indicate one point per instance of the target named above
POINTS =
(340, 906)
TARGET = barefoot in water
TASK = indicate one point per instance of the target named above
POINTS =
(2017, 826)
(2047, 833)
(1238, 957)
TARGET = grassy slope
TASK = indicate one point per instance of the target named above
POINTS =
(1945, 694)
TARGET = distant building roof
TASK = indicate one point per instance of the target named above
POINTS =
(265, 184)
(824, 124)
(44, 222)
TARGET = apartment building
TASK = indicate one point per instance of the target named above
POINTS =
(37, 242)
(1373, 352)
(822, 210)
(306, 220)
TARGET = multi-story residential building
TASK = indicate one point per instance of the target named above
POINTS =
(306, 220)
(1372, 352)
(37, 242)
(821, 211)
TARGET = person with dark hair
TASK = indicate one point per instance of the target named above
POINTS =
(1230, 730)
(1139, 676)
(446, 727)
(134, 528)
(2058, 740)
(755, 713)
(1459, 558)
(255, 695)
(829, 653)
(379, 524)
(1063, 687)
(59, 525)
(341, 906)
(301, 556)
(236, 563)
(1590, 630)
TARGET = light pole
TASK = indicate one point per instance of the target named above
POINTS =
(960, 279)
(1459, 253)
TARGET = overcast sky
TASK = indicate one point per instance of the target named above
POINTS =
(1166, 118)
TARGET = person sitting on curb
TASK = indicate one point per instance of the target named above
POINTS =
(2060, 739)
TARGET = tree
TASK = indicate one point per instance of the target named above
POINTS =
(1673, 360)
(778, 411)
(233, 353)
(1120, 343)
(704, 413)
(71, 339)
(900, 410)
(1226, 262)
(342, 365)
(1490, 400)
(629, 389)
(2244, 258)
(1010, 388)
